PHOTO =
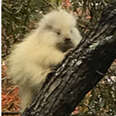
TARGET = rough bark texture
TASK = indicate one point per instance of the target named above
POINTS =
(80, 70)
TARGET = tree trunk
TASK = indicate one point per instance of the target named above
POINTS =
(80, 70)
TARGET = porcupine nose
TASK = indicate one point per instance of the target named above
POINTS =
(67, 39)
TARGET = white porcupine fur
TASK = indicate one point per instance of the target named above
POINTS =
(31, 60)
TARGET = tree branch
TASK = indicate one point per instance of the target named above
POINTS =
(80, 70)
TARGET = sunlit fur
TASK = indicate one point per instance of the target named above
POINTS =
(32, 59)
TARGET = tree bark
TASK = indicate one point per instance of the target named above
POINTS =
(80, 71)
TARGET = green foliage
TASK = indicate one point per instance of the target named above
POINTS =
(17, 19)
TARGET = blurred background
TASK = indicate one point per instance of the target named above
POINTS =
(21, 16)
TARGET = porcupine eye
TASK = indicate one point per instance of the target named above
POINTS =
(58, 33)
